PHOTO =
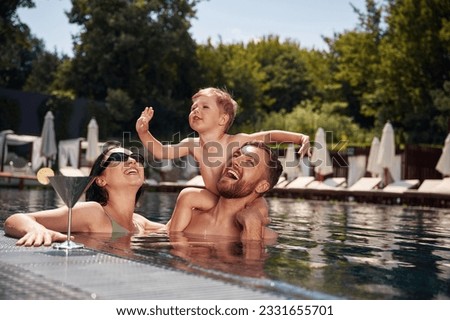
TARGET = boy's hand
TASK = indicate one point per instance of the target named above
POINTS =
(142, 122)
(253, 222)
(305, 148)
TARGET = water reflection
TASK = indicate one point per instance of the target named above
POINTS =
(346, 250)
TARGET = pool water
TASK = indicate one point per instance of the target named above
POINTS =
(324, 249)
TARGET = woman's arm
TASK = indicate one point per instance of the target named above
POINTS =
(44, 227)
(30, 232)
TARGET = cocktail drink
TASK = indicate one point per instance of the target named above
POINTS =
(70, 189)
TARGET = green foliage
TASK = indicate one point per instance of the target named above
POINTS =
(414, 61)
(441, 99)
(305, 119)
(140, 47)
(131, 54)
(18, 47)
(120, 107)
(42, 73)
(286, 81)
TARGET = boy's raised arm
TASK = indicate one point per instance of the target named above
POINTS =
(153, 145)
(280, 136)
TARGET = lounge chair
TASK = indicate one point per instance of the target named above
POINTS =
(444, 186)
(401, 185)
(72, 172)
(329, 183)
(429, 185)
(299, 183)
(282, 182)
(365, 184)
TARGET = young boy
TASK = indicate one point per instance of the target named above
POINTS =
(212, 114)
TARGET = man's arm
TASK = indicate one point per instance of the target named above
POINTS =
(154, 146)
(280, 136)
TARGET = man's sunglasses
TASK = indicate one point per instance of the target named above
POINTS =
(123, 157)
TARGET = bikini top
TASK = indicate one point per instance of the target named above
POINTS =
(116, 228)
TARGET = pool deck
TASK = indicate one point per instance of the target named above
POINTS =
(47, 273)
(410, 197)
(103, 271)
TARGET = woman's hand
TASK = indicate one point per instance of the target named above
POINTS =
(41, 236)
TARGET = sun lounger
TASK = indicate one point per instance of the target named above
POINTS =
(329, 183)
(72, 172)
(444, 186)
(299, 182)
(435, 185)
(429, 185)
(402, 185)
(282, 182)
(365, 184)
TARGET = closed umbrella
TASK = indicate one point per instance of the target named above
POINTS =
(92, 151)
(386, 152)
(372, 162)
(48, 144)
(291, 165)
(443, 164)
(320, 157)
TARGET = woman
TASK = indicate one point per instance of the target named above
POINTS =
(109, 206)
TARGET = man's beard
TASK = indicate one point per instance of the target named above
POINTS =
(239, 189)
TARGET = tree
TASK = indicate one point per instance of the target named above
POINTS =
(236, 69)
(354, 59)
(414, 61)
(140, 47)
(43, 71)
(286, 78)
(18, 47)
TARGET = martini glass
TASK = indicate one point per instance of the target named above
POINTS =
(70, 189)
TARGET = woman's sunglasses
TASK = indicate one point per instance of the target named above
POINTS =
(123, 157)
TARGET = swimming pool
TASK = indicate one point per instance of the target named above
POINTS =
(324, 249)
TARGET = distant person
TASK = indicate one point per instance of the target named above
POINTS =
(252, 170)
(212, 114)
(109, 206)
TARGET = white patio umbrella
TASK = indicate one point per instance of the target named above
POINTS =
(48, 144)
(386, 152)
(372, 162)
(92, 151)
(320, 156)
(290, 163)
(443, 164)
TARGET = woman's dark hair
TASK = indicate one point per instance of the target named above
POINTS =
(95, 192)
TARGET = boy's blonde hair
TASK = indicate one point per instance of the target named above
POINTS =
(223, 100)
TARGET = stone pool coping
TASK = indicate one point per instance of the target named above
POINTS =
(45, 273)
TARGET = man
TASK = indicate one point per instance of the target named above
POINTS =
(251, 171)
